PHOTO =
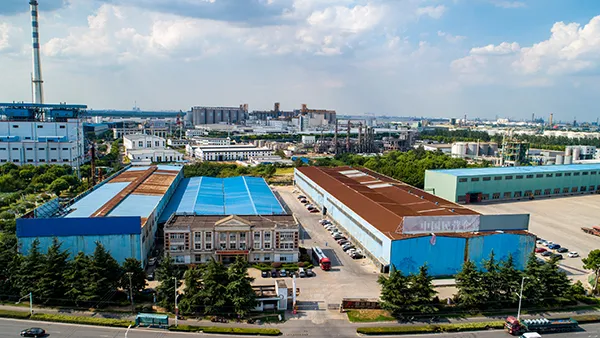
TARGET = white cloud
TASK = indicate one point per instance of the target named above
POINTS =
(501, 49)
(8, 35)
(508, 4)
(435, 12)
(451, 38)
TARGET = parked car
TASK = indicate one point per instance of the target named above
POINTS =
(301, 273)
(547, 253)
(357, 255)
(562, 250)
(540, 241)
(548, 243)
(559, 256)
(309, 206)
(338, 236)
(573, 254)
(150, 276)
(309, 273)
(540, 250)
(265, 274)
(301, 197)
(342, 241)
(314, 211)
(347, 246)
(324, 221)
(282, 273)
(554, 246)
(329, 227)
(303, 201)
(274, 273)
(33, 332)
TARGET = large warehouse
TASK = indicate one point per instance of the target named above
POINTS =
(121, 213)
(397, 224)
(474, 185)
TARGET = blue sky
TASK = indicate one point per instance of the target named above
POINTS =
(445, 58)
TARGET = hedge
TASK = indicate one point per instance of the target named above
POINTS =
(14, 314)
(582, 319)
(435, 328)
(82, 320)
(226, 330)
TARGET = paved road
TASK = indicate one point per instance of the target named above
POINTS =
(10, 328)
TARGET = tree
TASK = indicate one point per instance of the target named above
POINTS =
(395, 292)
(214, 290)
(239, 288)
(556, 282)
(9, 264)
(510, 279)
(31, 270)
(105, 273)
(592, 262)
(533, 288)
(470, 291)
(421, 288)
(491, 281)
(166, 290)
(77, 278)
(191, 300)
(58, 185)
(52, 287)
(138, 276)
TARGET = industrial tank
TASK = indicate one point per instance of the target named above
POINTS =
(484, 149)
(568, 151)
(459, 149)
(576, 154)
(493, 148)
(472, 148)
(560, 159)
(568, 159)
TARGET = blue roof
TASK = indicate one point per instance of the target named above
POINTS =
(518, 170)
(136, 205)
(240, 195)
(86, 206)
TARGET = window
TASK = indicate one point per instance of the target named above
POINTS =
(15, 148)
(256, 240)
(141, 144)
(42, 148)
(16, 160)
(198, 258)
(282, 258)
(62, 127)
(2, 148)
(486, 178)
(29, 148)
(243, 237)
(496, 196)
(583, 188)
(539, 175)
(575, 174)
(3, 160)
(157, 144)
(42, 160)
(592, 173)
(592, 188)
(556, 191)
(179, 259)
(497, 178)
(529, 176)
(286, 236)
(547, 191)
(223, 240)
(148, 144)
(267, 258)
(256, 257)
(65, 160)
(15, 126)
(29, 160)
(208, 240)
(198, 240)
(537, 192)
(567, 174)
(52, 148)
(475, 179)
(549, 175)
(585, 173)
(528, 193)
(176, 247)
(565, 190)
(507, 195)
(517, 194)
(243, 246)
(267, 240)
(40, 127)
(177, 237)
(558, 175)
(574, 189)
(232, 245)
(65, 148)
(485, 197)
(508, 177)
(519, 177)
(232, 237)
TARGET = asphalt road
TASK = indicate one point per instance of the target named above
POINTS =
(10, 328)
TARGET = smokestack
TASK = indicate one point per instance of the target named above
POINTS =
(360, 139)
(276, 107)
(551, 117)
(36, 81)
(335, 138)
(348, 138)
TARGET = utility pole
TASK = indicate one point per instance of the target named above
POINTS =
(521, 297)
(30, 295)
(176, 308)
(129, 274)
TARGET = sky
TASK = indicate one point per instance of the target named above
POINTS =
(437, 58)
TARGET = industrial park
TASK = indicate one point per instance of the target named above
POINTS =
(296, 221)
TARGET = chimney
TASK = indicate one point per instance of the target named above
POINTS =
(36, 80)
(276, 107)
(304, 108)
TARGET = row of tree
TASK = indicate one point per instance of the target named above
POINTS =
(212, 169)
(496, 285)
(210, 289)
(52, 278)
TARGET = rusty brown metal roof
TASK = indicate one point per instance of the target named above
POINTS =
(380, 200)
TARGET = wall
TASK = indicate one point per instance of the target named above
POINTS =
(119, 246)
(444, 258)
(504, 222)
(375, 244)
(519, 246)
(442, 185)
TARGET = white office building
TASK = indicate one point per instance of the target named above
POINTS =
(148, 148)
(230, 152)
(38, 143)
(142, 141)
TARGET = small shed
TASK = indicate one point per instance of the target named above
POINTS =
(152, 320)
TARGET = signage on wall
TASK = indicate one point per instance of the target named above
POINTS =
(438, 224)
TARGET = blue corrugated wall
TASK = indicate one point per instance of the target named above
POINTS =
(520, 246)
(444, 258)
(120, 246)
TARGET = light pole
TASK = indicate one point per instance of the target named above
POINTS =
(30, 295)
(129, 274)
(521, 297)
(176, 308)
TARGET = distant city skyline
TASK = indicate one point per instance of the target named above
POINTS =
(442, 58)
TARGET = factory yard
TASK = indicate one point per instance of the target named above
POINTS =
(558, 220)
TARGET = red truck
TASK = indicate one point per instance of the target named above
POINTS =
(517, 327)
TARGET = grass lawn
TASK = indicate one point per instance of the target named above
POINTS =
(284, 171)
(365, 316)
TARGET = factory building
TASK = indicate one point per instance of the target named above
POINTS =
(223, 218)
(397, 224)
(512, 183)
(122, 213)
(230, 152)
(40, 134)
(214, 115)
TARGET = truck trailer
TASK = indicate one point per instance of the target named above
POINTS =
(517, 327)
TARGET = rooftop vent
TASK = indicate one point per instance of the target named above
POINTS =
(451, 210)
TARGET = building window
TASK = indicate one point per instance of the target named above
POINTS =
(497, 178)
(539, 175)
(233, 245)
(592, 188)
(15, 126)
(556, 191)
(558, 175)
(585, 173)
(485, 197)
(574, 189)
(198, 258)
(148, 144)
(176, 247)
(517, 194)
(537, 192)
(208, 240)
(157, 144)
(256, 240)
(575, 174)
(233, 238)
(528, 193)
(519, 177)
(62, 127)
(547, 191)
(52, 148)
(462, 199)
(583, 188)
(15, 148)
(29, 160)
(496, 196)
(282, 258)
(179, 259)
(141, 144)
(508, 177)
(176, 236)
(567, 174)
(40, 127)
(256, 257)
(592, 173)
(29, 148)
(507, 195)
(475, 179)
(529, 176)
(267, 258)
(16, 160)
(286, 236)
(486, 178)
(223, 240)
(2, 148)
(42, 160)
(565, 190)
(548, 175)
(198, 240)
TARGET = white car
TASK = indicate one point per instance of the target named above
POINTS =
(548, 243)
(540, 241)
(573, 254)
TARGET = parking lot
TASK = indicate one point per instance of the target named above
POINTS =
(558, 220)
(347, 277)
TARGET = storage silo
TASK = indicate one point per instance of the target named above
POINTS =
(576, 153)
(568, 151)
(472, 148)
(459, 149)
(493, 148)
(559, 159)
(568, 159)
(484, 149)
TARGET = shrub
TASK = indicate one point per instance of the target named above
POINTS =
(301, 264)
(242, 331)
(430, 328)
(14, 314)
(587, 319)
(186, 328)
(276, 265)
(81, 320)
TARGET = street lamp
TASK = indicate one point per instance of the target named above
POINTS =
(129, 274)
(176, 295)
(521, 296)
(30, 295)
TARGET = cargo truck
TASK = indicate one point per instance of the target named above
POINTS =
(517, 327)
